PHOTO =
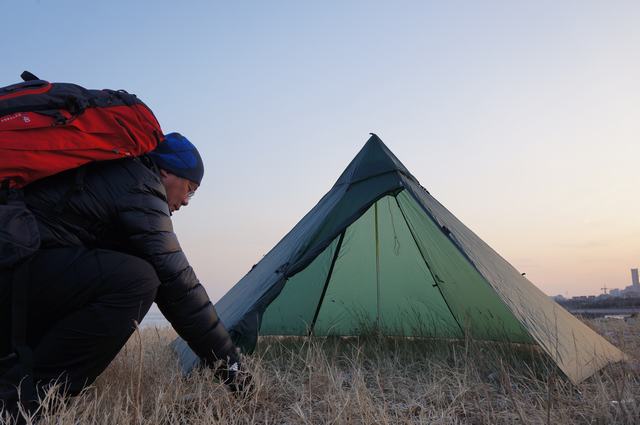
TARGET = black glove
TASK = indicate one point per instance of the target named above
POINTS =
(237, 380)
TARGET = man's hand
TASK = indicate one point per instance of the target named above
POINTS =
(237, 380)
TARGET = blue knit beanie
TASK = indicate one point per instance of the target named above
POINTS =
(177, 155)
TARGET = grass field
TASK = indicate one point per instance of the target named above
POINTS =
(361, 381)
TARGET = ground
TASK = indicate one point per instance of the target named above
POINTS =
(361, 381)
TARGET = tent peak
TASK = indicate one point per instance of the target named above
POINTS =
(374, 159)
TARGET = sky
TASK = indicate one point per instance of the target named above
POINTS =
(522, 118)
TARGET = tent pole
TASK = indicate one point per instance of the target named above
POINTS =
(377, 269)
(326, 282)
(435, 280)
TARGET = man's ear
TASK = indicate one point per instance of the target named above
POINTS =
(163, 173)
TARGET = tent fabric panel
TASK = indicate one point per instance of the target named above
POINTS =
(472, 300)
(410, 304)
(349, 306)
(577, 349)
(291, 313)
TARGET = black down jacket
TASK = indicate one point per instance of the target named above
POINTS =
(122, 205)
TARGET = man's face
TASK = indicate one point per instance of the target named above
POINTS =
(179, 190)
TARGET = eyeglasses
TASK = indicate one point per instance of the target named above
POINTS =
(192, 191)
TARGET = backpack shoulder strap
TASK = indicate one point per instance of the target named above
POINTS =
(78, 186)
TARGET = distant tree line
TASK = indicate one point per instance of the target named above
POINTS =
(612, 302)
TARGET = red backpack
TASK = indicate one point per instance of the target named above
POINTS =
(46, 128)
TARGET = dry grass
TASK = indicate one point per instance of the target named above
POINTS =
(361, 381)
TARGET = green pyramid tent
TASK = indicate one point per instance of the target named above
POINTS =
(379, 253)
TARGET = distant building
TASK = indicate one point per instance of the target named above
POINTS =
(634, 289)
(631, 291)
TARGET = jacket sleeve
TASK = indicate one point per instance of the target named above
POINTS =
(144, 217)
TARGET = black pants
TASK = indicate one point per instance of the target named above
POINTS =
(82, 304)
